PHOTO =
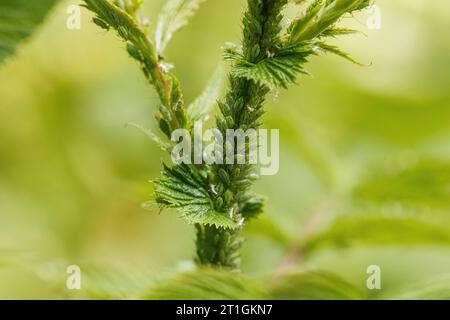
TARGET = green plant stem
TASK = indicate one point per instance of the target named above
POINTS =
(241, 109)
(217, 197)
(142, 49)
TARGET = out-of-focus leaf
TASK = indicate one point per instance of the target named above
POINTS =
(173, 17)
(97, 282)
(18, 20)
(267, 228)
(369, 229)
(108, 284)
(151, 135)
(253, 207)
(204, 103)
(437, 289)
(426, 183)
(315, 285)
(207, 284)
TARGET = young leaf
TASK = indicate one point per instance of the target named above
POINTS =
(19, 19)
(335, 50)
(207, 284)
(183, 188)
(334, 32)
(315, 285)
(277, 70)
(174, 16)
(204, 103)
(298, 26)
(321, 15)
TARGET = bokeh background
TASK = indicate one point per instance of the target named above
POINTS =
(354, 141)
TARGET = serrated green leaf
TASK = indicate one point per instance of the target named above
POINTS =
(207, 284)
(173, 17)
(183, 189)
(18, 20)
(276, 70)
(317, 285)
(205, 102)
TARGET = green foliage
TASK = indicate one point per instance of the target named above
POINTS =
(111, 284)
(267, 228)
(203, 104)
(112, 15)
(218, 246)
(317, 285)
(425, 183)
(183, 188)
(173, 17)
(277, 70)
(335, 50)
(217, 198)
(371, 229)
(402, 205)
(279, 65)
(207, 284)
(19, 19)
(122, 18)
(321, 15)
(436, 289)
(152, 136)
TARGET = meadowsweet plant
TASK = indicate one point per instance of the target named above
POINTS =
(217, 197)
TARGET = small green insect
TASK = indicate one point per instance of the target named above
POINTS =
(102, 24)
(165, 127)
(134, 52)
(123, 33)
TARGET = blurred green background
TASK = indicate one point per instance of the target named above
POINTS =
(354, 141)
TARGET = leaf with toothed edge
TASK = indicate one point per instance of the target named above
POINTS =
(277, 70)
(184, 189)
